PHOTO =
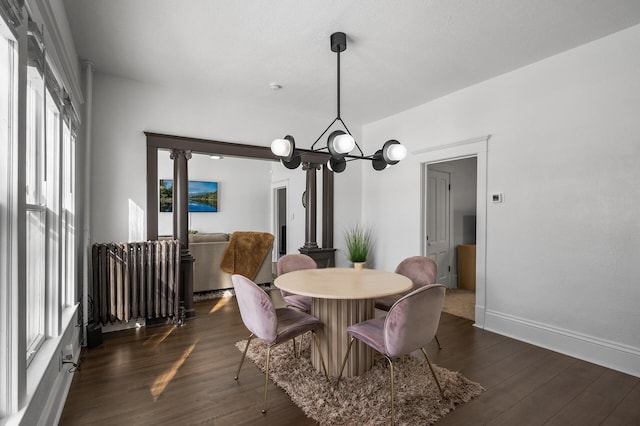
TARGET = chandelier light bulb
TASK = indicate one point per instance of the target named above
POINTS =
(281, 147)
(393, 151)
(397, 152)
(344, 144)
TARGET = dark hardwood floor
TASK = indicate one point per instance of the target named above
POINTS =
(179, 376)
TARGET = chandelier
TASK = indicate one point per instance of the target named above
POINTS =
(340, 143)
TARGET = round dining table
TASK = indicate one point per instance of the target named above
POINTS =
(342, 297)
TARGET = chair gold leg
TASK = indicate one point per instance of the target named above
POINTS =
(266, 380)
(344, 361)
(391, 395)
(300, 345)
(294, 345)
(432, 372)
(324, 368)
(438, 341)
(243, 355)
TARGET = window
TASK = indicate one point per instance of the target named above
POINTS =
(68, 286)
(50, 248)
(36, 212)
(38, 251)
(8, 206)
(54, 256)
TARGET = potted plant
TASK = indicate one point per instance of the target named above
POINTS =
(358, 241)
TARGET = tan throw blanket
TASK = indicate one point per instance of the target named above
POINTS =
(246, 252)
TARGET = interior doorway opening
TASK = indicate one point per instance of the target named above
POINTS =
(438, 157)
(451, 231)
(279, 197)
(451, 220)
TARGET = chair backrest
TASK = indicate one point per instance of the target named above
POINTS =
(420, 270)
(412, 321)
(256, 308)
(294, 262)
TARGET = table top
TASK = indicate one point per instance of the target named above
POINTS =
(343, 283)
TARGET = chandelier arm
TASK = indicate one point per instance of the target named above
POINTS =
(325, 131)
(358, 157)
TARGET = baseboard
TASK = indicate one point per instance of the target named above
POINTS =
(59, 395)
(49, 380)
(480, 310)
(119, 326)
(588, 348)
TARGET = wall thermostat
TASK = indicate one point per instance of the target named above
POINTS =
(497, 197)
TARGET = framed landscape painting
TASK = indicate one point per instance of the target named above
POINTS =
(203, 196)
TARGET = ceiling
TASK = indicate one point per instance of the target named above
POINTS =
(400, 53)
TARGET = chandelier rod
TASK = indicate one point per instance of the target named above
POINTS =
(338, 47)
(338, 50)
(338, 97)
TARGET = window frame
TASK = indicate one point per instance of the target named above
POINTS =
(26, 376)
(36, 204)
(12, 228)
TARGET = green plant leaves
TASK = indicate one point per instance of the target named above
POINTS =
(358, 240)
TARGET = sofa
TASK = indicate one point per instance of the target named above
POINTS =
(208, 249)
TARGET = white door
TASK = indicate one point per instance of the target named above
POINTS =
(438, 223)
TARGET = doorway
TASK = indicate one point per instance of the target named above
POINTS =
(436, 158)
(451, 231)
(451, 218)
(279, 192)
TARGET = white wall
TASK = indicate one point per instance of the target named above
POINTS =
(561, 264)
(243, 193)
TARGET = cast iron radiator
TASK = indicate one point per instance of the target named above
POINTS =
(135, 280)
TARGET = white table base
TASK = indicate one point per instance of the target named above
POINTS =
(337, 315)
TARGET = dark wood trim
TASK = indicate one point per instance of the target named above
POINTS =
(152, 192)
(181, 196)
(311, 206)
(180, 145)
(232, 149)
(156, 141)
(181, 225)
(327, 207)
(205, 146)
(324, 257)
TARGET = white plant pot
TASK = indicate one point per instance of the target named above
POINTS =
(358, 265)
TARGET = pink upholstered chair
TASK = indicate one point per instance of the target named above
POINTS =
(272, 325)
(409, 325)
(295, 262)
(421, 271)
